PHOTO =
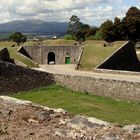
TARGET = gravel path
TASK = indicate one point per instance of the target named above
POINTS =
(70, 70)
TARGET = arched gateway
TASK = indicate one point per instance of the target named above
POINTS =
(51, 58)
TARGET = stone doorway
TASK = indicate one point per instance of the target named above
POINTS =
(51, 58)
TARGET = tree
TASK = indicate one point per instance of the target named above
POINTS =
(98, 35)
(107, 29)
(80, 30)
(132, 23)
(74, 25)
(117, 28)
(18, 37)
(81, 33)
(91, 31)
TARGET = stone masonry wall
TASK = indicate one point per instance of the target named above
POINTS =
(40, 53)
(15, 78)
(102, 87)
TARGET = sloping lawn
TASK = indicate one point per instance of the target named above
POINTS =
(95, 53)
(13, 53)
(59, 42)
(50, 42)
(120, 112)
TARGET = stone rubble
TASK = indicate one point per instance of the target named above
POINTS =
(24, 120)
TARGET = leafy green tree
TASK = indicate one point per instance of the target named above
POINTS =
(70, 37)
(80, 30)
(18, 37)
(107, 29)
(117, 28)
(98, 35)
(74, 25)
(132, 23)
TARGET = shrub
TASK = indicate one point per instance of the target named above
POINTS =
(69, 37)
(98, 36)
(13, 45)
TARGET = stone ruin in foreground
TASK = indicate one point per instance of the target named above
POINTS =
(39, 122)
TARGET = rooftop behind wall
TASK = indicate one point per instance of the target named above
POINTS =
(124, 59)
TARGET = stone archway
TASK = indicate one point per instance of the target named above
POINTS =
(51, 58)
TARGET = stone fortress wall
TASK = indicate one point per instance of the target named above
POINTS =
(117, 89)
(40, 54)
(15, 78)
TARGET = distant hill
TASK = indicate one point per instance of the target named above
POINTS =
(34, 26)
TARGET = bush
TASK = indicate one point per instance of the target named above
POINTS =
(13, 45)
(69, 37)
(98, 36)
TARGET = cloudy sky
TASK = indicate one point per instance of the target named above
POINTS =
(93, 12)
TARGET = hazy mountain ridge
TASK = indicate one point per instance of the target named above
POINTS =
(34, 26)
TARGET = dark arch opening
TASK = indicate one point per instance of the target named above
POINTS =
(51, 58)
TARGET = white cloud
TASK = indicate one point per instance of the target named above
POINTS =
(90, 11)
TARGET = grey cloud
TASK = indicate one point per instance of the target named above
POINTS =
(58, 10)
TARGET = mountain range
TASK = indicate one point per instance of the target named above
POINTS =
(34, 26)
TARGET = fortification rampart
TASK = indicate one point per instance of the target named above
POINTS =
(42, 54)
(15, 78)
(124, 59)
(118, 89)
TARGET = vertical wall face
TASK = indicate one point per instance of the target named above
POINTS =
(40, 53)
(117, 89)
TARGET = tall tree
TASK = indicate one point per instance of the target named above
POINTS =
(107, 29)
(132, 23)
(79, 29)
(74, 25)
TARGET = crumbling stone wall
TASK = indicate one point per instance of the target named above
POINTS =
(40, 53)
(15, 78)
(118, 89)
(123, 59)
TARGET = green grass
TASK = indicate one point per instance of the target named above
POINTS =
(13, 53)
(95, 53)
(59, 42)
(50, 42)
(120, 112)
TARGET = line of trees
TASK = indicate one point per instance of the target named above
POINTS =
(127, 28)
(79, 30)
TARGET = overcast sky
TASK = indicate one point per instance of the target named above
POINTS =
(93, 12)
